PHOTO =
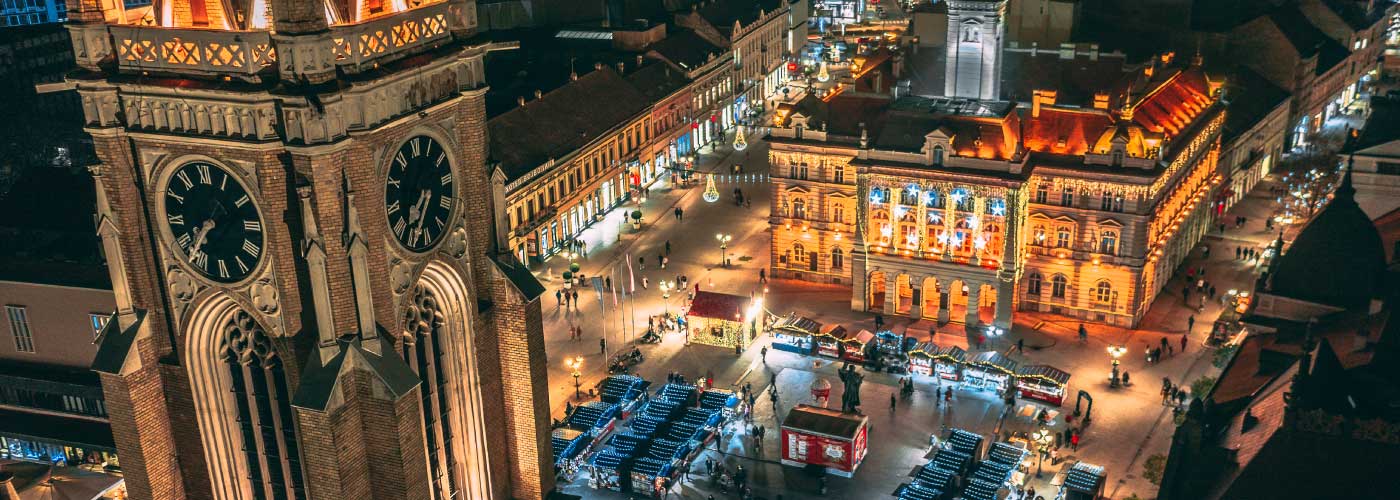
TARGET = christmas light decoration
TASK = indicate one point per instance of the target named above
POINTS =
(711, 192)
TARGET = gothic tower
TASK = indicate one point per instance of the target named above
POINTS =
(304, 310)
(976, 29)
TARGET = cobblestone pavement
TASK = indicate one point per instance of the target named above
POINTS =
(1130, 424)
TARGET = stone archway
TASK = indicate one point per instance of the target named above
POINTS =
(439, 345)
(875, 286)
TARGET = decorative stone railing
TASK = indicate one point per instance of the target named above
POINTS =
(359, 47)
(240, 54)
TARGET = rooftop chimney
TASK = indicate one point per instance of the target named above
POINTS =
(1101, 100)
(1042, 98)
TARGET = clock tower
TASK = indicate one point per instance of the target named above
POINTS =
(309, 303)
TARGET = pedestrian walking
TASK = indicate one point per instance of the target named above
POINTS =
(1074, 441)
(558, 298)
(892, 401)
(1190, 325)
(1083, 334)
(645, 282)
(680, 214)
(574, 298)
(763, 354)
(642, 263)
(664, 261)
(651, 323)
(1212, 291)
(1021, 346)
(602, 344)
(762, 275)
(1183, 343)
(1186, 293)
(1170, 351)
(1238, 252)
(608, 282)
(1164, 342)
(668, 247)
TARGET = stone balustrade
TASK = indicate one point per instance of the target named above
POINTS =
(360, 47)
(240, 54)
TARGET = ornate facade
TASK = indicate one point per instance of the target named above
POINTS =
(962, 210)
(303, 310)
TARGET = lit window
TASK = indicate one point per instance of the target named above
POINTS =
(799, 254)
(1058, 285)
(1103, 292)
(837, 258)
(1042, 192)
(1067, 197)
(1108, 243)
(799, 208)
(1062, 236)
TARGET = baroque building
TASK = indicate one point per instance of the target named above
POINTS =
(303, 309)
(963, 210)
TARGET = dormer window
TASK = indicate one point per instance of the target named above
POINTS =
(1117, 157)
(938, 155)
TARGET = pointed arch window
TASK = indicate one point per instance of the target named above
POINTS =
(262, 402)
(426, 352)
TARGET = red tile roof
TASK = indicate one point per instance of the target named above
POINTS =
(1065, 131)
(1172, 104)
(718, 306)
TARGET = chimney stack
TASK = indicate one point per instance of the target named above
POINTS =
(1042, 98)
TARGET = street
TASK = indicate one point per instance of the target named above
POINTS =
(1129, 425)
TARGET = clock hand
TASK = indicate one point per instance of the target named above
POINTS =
(201, 234)
(424, 198)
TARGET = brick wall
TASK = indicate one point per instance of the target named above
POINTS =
(525, 391)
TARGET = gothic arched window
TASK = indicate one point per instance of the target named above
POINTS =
(263, 405)
(426, 352)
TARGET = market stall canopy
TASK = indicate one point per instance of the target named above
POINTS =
(829, 423)
(714, 305)
(1086, 479)
(837, 331)
(864, 336)
(1045, 372)
(954, 353)
(993, 359)
(798, 324)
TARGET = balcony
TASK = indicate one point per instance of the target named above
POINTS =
(188, 50)
(358, 47)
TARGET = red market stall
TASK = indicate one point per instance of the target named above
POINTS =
(1042, 382)
(853, 349)
(828, 341)
(826, 438)
(990, 370)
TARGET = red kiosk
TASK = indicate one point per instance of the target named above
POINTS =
(828, 438)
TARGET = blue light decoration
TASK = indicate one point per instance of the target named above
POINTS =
(997, 207)
(877, 196)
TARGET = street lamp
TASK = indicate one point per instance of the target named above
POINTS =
(723, 240)
(575, 364)
(1116, 351)
(666, 287)
(1042, 439)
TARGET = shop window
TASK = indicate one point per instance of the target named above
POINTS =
(1058, 285)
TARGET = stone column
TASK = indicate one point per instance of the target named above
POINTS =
(891, 293)
(916, 310)
(943, 301)
(1006, 293)
(973, 291)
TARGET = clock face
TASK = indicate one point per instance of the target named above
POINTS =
(418, 193)
(215, 223)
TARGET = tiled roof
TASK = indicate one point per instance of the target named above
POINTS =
(562, 121)
(1305, 38)
(657, 80)
(722, 13)
(1064, 131)
(687, 49)
(718, 306)
(1172, 104)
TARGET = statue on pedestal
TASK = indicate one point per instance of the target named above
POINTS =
(850, 397)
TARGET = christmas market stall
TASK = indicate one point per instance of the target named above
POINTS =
(625, 391)
(853, 348)
(723, 400)
(828, 342)
(1043, 383)
(794, 334)
(990, 370)
(1083, 481)
(948, 363)
(568, 445)
(721, 319)
(921, 358)
(826, 438)
(596, 418)
(890, 351)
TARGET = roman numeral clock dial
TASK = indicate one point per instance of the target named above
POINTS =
(214, 223)
(418, 193)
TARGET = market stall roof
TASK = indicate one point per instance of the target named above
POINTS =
(798, 324)
(953, 352)
(1047, 372)
(718, 306)
(831, 423)
(924, 349)
(1085, 478)
(837, 331)
(864, 336)
(995, 359)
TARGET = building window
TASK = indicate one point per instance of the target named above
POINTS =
(98, 321)
(1067, 197)
(839, 175)
(933, 199)
(878, 195)
(19, 327)
(799, 254)
(1117, 157)
(837, 259)
(1039, 233)
(938, 155)
(1118, 203)
(427, 353)
(799, 171)
(1108, 243)
(838, 213)
(1106, 202)
(1042, 193)
(799, 208)
(1062, 237)
(1058, 285)
(264, 412)
(1103, 292)
(909, 196)
(1033, 284)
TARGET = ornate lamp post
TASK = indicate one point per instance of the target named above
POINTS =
(666, 287)
(723, 240)
(575, 364)
(1116, 351)
(1042, 438)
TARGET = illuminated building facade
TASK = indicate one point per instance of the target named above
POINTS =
(962, 210)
